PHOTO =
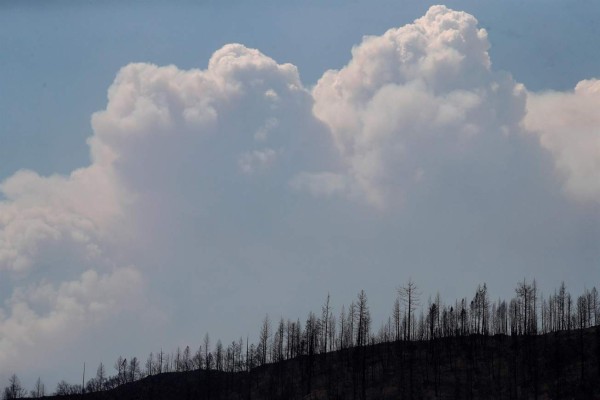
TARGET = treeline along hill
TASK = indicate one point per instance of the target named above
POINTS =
(528, 347)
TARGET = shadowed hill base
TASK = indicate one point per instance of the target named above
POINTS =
(561, 365)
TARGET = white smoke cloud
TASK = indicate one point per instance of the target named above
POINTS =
(257, 160)
(161, 126)
(44, 318)
(321, 184)
(239, 113)
(51, 229)
(415, 98)
(214, 148)
(167, 138)
(40, 214)
(568, 126)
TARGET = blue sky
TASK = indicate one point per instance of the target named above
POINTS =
(203, 244)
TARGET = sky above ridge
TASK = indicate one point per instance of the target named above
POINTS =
(171, 170)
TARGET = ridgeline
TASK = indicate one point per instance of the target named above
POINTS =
(559, 365)
(530, 347)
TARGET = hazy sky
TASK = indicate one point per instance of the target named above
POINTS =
(171, 170)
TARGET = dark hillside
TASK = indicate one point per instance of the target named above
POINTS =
(558, 365)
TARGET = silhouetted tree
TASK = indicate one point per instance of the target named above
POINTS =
(186, 359)
(397, 316)
(527, 301)
(279, 342)
(409, 295)
(159, 362)
(325, 310)
(263, 345)
(63, 388)
(198, 359)
(480, 311)
(39, 389)
(149, 366)
(364, 319)
(133, 371)
(121, 367)
(343, 343)
(206, 350)
(219, 356)
(14, 390)
(594, 305)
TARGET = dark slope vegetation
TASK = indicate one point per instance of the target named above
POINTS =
(532, 346)
(557, 365)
